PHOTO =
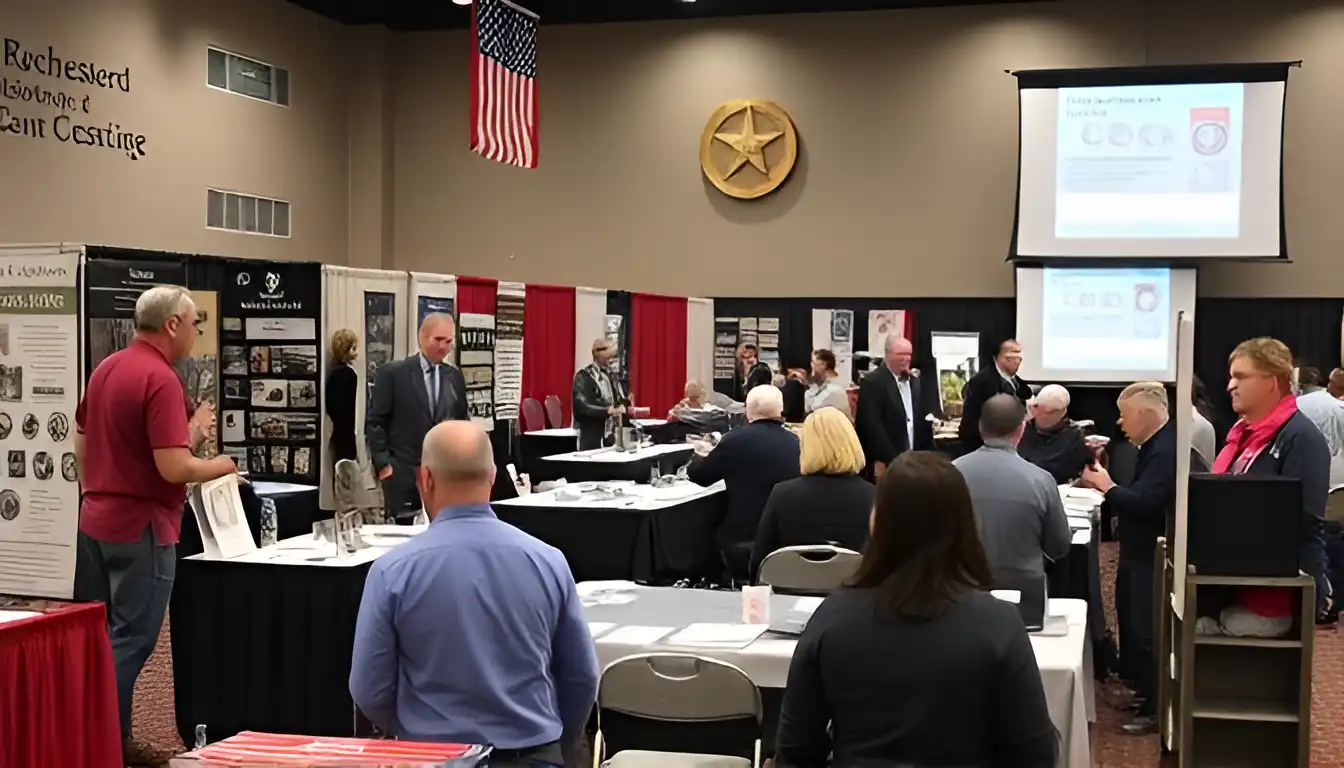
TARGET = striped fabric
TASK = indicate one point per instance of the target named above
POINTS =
(271, 749)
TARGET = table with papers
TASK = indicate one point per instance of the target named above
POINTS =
(263, 641)
(611, 464)
(627, 619)
(623, 530)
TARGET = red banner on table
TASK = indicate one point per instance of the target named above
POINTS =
(273, 749)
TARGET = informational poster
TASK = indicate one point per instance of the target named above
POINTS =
(767, 342)
(476, 358)
(509, 350)
(218, 509)
(725, 353)
(884, 323)
(957, 355)
(432, 305)
(614, 331)
(833, 329)
(200, 371)
(39, 389)
(270, 362)
(380, 315)
(111, 287)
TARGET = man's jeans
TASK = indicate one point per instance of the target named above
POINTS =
(135, 582)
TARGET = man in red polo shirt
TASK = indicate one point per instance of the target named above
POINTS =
(134, 452)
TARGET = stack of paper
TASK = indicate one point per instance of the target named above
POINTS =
(724, 637)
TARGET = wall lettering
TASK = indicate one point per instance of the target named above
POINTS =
(68, 125)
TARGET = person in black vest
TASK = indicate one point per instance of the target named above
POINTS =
(1000, 379)
(596, 396)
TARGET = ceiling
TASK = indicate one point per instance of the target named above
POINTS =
(408, 15)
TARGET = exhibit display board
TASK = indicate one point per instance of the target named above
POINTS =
(270, 415)
(509, 310)
(39, 391)
(429, 294)
(113, 280)
(833, 329)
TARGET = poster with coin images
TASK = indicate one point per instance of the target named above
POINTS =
(39, 389)
(476, 358)
(270, 420)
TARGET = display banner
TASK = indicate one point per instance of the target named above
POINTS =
(833, 329)
(111, 286)
(200, 371)
(476, 358)
(380, 317)
(432, 305)
(269, 355)
(39, 390)
(509, 350)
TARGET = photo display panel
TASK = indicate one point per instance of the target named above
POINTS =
(1101, 325)
(111, 287)
(1151, 162)
(270, 417)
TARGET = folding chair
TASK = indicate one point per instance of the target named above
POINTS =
(667, 696)
(554, 413)
(808, 570)
(1334, 505)
(533, 417)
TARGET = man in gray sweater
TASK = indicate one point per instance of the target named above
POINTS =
(1017, 505)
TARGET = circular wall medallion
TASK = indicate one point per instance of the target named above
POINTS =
(749, 147)
(1209, 138)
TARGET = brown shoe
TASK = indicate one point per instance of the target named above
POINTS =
(138, 753)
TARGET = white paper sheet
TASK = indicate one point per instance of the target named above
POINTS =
(596, 628)
(1007, 595)
(720, 636)
(635, 635)
(219, 516)
(8, 616)
(807, 604)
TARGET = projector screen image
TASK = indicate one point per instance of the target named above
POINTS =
(1101, 325)
(1160, 171)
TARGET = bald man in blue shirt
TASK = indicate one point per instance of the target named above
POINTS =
(472, 632)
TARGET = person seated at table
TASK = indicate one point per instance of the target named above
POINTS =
(750, 460)
(1018, 510)
(825, 387)
(596, 396)
(1050, 441)
(913, 662)
(693, 401)
(830, 503)
(472, 632)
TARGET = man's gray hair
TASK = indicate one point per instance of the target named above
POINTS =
(456, 460)
(601, 344)
(1001, 416)
(1052, 397)
(1149, 394)
(765, 401)
(435, 317)
(159, 304)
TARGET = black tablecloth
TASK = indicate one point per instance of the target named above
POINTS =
(263, 647)
(295, 514)
(658, 546)
(638, 471)
(533, 447)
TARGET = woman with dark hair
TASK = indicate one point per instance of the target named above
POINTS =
(1203, 437)
(914, 663)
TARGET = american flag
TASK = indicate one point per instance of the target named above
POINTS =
(504, 83)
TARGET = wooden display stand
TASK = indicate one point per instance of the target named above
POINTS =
(1233, 701)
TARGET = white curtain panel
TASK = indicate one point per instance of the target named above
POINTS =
(343, 290)
(431, 285)
(590, 322)
(700, 341)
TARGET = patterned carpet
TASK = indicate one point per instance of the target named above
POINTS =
(154, 721)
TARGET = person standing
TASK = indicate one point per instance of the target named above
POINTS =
(342, 392)
(751, 372)
(134, 447)
(473, 631)
(409, 397)
(890, 418)
(1018, 511)
(1001, 379)
(825, 388)
(596, 396)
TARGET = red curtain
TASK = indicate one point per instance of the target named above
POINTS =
(548, 344)
(657, 351)
(476, 295)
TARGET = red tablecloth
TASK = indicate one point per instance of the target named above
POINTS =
(58, 691)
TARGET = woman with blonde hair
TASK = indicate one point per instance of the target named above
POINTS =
(342, 389)
(830, 502)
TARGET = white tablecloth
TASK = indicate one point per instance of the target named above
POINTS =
(1065, 661)
(265, 488)
(306, 550)
(612, 456)
(572, 432)
(628, 495)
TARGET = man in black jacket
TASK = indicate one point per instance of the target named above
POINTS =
(891, 417)
(1143, 508)
(409, 397)
(751, 372)
(1001, 379)
(596, 396)
(1050, 441)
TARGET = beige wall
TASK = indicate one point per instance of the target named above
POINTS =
(906, 179)
(195, 136)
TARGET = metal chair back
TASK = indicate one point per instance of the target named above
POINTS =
(808, 570)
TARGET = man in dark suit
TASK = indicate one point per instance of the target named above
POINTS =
(596, 397)
(1001, 379)
(890, 418)
(750, 460)
(409, 397)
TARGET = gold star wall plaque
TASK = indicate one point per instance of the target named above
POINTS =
(749, 147)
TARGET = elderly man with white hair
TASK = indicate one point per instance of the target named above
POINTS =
(1050, 441)
(750, 460)
(134, 446)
